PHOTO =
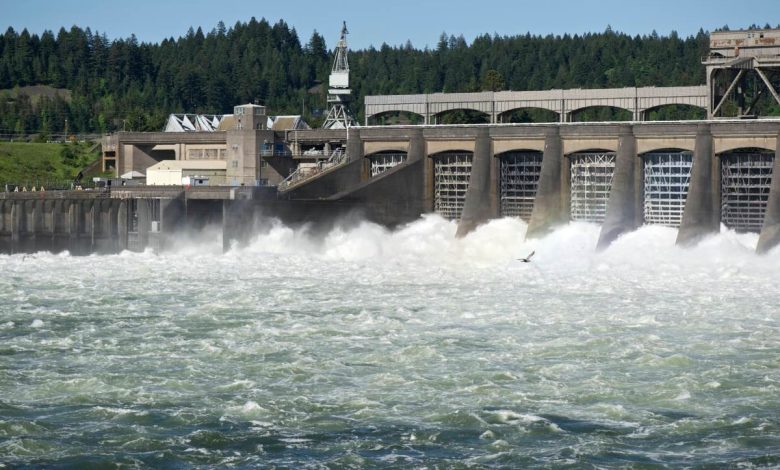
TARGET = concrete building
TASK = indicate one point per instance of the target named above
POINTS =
(183, 172)
(250, 144)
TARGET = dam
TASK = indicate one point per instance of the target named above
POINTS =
(235, 170)
(694, 175)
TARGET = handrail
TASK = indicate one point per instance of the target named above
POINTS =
(304, 173)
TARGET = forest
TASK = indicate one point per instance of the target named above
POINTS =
(115, 84)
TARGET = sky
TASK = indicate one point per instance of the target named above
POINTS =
(393, 22)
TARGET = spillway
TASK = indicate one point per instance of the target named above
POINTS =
(591, 182)
(666, 179)
(745, 180)
(452, 172)
(519, 182)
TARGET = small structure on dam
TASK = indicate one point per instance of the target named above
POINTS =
(694, 175)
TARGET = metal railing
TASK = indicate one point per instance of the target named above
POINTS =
(304, 173)
(275, 153)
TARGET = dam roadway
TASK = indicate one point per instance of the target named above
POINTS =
(693, 175)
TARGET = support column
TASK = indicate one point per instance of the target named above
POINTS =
(621, 214)
(549, 202)
(476, 207)
(122, 223)
(17, 221)
(36, 230)
(354, 145)
(699, 216)
(112, 231)
(428, 180)
(416, 146)
(93, 216)
(770, 232)
(144, 223)
(74, 222)
(237, 221)
(172, 218)
(51, 222)
(494, 194)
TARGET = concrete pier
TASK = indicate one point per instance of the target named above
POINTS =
(701, 216)
(623, 212)
(770, 232)
(549, 205)
(237, 222)
(477, 208)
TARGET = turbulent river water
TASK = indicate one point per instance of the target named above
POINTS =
(366, 348)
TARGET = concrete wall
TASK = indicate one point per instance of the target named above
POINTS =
(78, 224)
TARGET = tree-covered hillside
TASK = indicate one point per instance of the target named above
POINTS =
(126, 84)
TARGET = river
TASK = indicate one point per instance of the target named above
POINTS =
(369, 348)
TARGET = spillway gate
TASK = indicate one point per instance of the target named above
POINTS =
(667, 176)
(745, 180)
(519, 182)
(452, 172)
(591, 182)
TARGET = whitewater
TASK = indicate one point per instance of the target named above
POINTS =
(370, 348)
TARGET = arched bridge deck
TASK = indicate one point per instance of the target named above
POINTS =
(563, 102)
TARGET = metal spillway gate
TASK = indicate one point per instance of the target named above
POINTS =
(667, 176)
(452, 173)
(381, 162)
(745, 180)
(519, 181)
(591, 182)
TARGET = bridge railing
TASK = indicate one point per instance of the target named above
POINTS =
(304, 172)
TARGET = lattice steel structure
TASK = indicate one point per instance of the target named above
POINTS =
(667, 176)
(519, 181)
(452, 172)
(381, 162)
(591, 182)
(743, 73)
(745, 180)
(339, 94)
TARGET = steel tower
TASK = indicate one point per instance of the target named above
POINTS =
(339, 94)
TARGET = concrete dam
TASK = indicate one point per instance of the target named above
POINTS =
(240, 169)
(694, 175)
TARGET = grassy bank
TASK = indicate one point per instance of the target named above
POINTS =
(42, 163)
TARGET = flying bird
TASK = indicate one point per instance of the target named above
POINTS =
(527, 259)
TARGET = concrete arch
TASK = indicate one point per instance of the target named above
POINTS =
(437, 147)
(390, 112)
(576, 111)
(505, 153)
(439, 115)
(518, 145)
(501, 117)
(590, 150)
(725, 144)
(663, 150)
(590, 145)
(645, 113)
(370, 148)
(654, 145)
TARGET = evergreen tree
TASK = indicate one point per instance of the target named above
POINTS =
(112, 82)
